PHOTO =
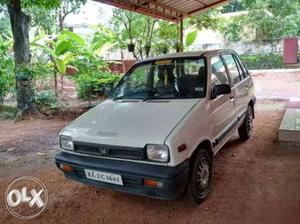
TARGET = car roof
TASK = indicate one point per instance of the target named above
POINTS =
(188, 54)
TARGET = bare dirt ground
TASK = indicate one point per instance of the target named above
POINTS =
(257, 181)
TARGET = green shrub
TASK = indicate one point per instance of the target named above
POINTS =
(7, 112)
(46, 99)
(6, 84)
(42, 71)
(6, 70)
(263, 61)
(92, 84)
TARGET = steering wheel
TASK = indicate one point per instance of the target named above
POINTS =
(146, 86)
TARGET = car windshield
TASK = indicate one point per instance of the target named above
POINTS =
(164, 79)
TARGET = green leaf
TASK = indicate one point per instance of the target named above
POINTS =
(67, 57)
(190, 38)
(61, 66)
(75, 37)
(45, 48)
(63, 47)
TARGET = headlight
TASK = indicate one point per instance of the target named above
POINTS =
(158, 152)
(66, 142)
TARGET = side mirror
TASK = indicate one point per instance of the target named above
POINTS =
(220, 90)
(108, 91)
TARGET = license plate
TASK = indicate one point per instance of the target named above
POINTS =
(103, 177)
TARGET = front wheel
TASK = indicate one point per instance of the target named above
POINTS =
(200, 177)
(246, 129)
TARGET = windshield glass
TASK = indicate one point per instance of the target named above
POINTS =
(164, 79)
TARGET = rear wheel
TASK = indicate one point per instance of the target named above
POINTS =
(246, 129)
(200, 177)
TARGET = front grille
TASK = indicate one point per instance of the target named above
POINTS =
(110, 151)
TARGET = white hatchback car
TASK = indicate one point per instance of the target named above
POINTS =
(165, 120)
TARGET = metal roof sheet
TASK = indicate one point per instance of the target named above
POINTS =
(171, 10)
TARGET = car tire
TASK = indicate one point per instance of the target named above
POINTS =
(246, 128)
(199, 183)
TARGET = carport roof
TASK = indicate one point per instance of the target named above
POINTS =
(171, 10)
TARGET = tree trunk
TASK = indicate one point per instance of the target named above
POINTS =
(62, 83)
(24, 83)
(55, 80)
(60, 20)
(54, 72)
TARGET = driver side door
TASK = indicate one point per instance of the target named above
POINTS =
(222, 107)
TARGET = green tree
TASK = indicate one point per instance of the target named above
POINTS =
(66, 8)
(102, 36)
(232, 28)
(133, 29)
(5, 30)
(62, 50)
(273, 18)
(233, 6)
(166, 37)
(20, 28)
(207, 20)
(44, 22)
(6, 68)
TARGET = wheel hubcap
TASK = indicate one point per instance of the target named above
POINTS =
(250, 122)
(202, 175)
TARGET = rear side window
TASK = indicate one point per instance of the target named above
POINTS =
(218, 72)
(232, 68)
(241, 73)
(245, 72)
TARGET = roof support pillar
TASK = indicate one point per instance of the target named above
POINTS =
(181, 35)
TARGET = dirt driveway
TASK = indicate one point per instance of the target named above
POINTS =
(254, 182)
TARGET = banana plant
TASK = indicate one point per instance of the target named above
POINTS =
(62, 50)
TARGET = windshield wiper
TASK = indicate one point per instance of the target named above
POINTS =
(128, 94)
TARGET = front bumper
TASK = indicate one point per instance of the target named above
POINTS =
(174, 179)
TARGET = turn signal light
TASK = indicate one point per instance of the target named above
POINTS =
(65, 168)
(152, 183)
(182, 147)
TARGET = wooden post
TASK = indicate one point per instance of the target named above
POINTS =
(181, 34)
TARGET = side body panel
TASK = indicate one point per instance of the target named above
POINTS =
(191, 131)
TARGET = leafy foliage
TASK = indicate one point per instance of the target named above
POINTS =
(103, 36)
(133, 28)
(233, 6)
(43, 22)
(93, 84)
(190, 38)
(6, 69)
(46, 98)
(263, 61)
(45, 4)
(61, 49)
(7, 112)
(67, 7)
(207, 20)
(165, 37)
(232, 29)
(5, 29)
(273, 18)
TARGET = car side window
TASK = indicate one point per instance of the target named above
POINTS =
(238, 64)
(218, 72)
(242, 66)
(232, 68)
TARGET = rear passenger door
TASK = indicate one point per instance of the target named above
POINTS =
(238, 84)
